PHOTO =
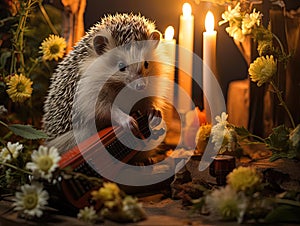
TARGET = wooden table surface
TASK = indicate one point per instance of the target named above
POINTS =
(160, 211)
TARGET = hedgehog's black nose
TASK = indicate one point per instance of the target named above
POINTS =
(138, 84)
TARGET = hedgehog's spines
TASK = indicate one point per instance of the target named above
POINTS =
(123, 28)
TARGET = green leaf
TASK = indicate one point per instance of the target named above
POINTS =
(278, 155)
(27, 132)
(278, 140)
(284, 213)
(242, 131)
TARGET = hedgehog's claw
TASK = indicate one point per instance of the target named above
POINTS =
(154, 117)
(134, 126)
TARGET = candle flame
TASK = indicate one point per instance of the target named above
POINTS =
(169, 33)
(186, 9)
(209, 22)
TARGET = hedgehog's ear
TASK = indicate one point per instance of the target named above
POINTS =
(99, 43)
(155, 36)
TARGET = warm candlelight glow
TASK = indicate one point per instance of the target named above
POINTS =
(209, 62)
(186, 10)
(169, 33)
(209, 22)
(185, 57)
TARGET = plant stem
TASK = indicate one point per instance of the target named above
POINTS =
(9, 134)
(252, 142)
(4, 124)
(18, 40)
(257, 137)
(279, 42)
(278, 93)
(288, 202)
(15, 167)
(45, 14)
(81, 175)
(35, 63)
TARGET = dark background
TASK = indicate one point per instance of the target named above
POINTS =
(230, 62)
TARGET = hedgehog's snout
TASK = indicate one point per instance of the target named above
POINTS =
(141, 85)
(138, 84)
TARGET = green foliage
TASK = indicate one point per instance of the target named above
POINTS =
(21, 35)
(242, 131)
(262, 34)
(279, 139)
(284, 213)
(27, 132)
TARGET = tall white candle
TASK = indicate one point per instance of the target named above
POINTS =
(209, 60)
(185, 56)
(169, 47)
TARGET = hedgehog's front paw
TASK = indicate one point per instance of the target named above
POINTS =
(133, 125)
(154, 117)
(125, 121)
(129, 124)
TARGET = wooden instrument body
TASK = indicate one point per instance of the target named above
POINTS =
(81, 159)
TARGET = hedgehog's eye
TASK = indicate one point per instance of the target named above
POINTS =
(146, 64)
(122, 66)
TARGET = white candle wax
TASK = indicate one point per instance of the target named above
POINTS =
(169, 47)
(209, 61)
(185, 57)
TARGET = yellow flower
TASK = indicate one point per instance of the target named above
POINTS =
(262, 69)
(53, 47)
(129, 210)
(108, 192)
(243, 178)
(264, 47)
(19, 88)
(202, 137)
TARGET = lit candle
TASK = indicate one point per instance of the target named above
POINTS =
(185, 57)
(209, 60)
(168, 45)
(169, 34)
(170, 48)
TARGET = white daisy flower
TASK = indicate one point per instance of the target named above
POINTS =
(44, 162)
(249, 21)
(235, 32)
(31, 200)
(231, 14)
(219, 130)
(222, 119)
(87, 214)
(223, 136)
(225, 203)
(10, 152)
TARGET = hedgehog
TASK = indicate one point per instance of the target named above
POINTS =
(102, 63)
